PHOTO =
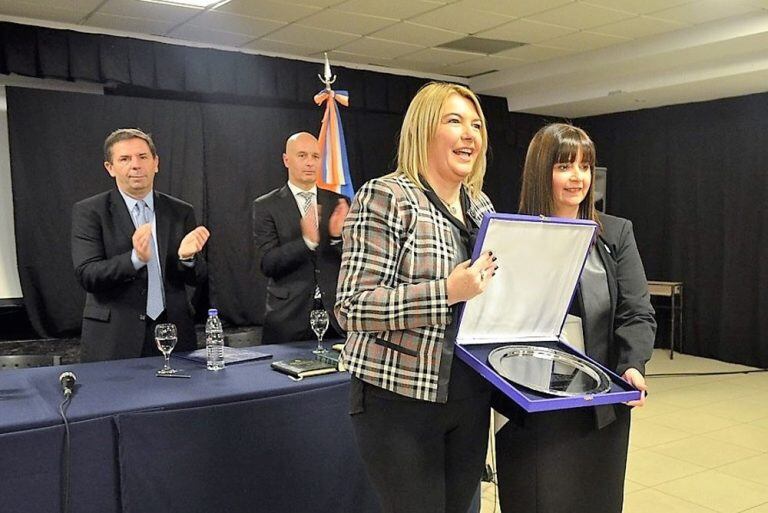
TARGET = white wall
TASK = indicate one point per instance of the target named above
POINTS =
(10, 288)
(9, 275)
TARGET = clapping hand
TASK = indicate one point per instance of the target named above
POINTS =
(193, 242)
(336, 222)
(142, 242)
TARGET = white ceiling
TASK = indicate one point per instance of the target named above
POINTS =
(579, 57)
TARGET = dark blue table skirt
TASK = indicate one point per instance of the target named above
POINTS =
(30, 469)
(245, 439)
(295, 453)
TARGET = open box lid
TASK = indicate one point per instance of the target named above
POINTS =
(540, 261)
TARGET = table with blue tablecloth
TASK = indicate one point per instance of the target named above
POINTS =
(245, 439)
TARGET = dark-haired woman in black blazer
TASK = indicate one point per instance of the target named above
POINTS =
(574, 460)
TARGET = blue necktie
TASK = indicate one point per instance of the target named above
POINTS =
(155, 300)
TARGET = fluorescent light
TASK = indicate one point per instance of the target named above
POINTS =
(194, 4)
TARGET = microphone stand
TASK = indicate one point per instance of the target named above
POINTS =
(65, 466)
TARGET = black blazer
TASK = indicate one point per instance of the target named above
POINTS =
(630, 342)
(290, 267)
(114, 317)
(634, 327)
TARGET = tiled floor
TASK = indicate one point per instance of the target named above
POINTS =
(700, 445)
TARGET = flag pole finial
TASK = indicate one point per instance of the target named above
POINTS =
(327, 78)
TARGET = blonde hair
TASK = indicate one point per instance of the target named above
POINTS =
(420, 125)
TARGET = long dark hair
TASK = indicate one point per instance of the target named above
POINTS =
(555, 143)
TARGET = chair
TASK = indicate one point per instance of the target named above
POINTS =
(23, 361)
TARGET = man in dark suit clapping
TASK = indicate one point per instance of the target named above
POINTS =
(297, 232)
(134, 250)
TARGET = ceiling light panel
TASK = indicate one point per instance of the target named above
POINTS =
(269, 10)
(195, 4)
(481, 45)
(39, 11)
(441, 57)
(148, 10)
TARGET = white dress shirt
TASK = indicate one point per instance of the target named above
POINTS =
(300, 203)
(130, 202)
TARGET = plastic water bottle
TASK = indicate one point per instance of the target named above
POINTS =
(214, 341)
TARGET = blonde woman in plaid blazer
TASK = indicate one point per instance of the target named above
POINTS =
(420, 415)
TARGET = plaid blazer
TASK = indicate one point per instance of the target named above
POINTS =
(392, 296)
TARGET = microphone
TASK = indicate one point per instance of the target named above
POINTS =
(67, 380)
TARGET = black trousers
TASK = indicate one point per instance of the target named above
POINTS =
(423, 457)
(558, 462)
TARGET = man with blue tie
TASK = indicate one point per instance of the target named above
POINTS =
(134, 250)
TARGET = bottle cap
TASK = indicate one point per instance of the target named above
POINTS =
(213, 311)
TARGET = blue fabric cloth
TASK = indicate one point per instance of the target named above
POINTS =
(244, 439)
(30, 474)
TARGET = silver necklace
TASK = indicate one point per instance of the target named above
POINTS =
(453, 209)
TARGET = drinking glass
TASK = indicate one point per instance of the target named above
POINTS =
(318, 321)
(165, 337)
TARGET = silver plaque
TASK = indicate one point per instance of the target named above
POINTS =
(547, 370)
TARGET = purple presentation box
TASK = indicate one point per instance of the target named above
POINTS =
(540, 261)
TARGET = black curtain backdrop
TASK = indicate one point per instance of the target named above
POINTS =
(693, 180)
(244, 106)
(217, 157)
(243, 157)
(219, 120)
(128, 65)
(56, 160)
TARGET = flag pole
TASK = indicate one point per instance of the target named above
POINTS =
(335, 174)
(327, 78)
